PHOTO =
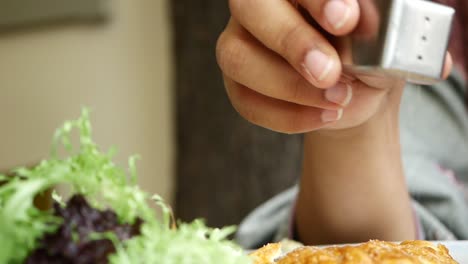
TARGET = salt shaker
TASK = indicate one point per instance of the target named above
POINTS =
(405, 39)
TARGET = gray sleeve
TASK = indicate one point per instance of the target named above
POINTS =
(434, 138)
(438, 200)
(270, 222)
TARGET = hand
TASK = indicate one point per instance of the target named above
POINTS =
(282, 73)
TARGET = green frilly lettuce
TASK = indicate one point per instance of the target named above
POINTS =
(90, 172)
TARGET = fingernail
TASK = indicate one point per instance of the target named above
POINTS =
(337, 12)
(339, 94)
(331, 115)
(318, 64)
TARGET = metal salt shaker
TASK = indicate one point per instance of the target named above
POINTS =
(405, 39)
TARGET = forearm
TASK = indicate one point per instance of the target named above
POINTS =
(353, 188)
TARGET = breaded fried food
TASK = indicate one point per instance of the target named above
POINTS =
(372, 252)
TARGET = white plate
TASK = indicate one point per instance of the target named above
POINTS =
(458, 250)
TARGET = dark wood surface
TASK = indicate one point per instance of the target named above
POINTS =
(225, 166)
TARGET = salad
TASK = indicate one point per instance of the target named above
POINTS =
(106, 219)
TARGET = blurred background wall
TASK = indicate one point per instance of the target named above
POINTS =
(120, 68)
(225, 165)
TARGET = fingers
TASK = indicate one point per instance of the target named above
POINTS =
(280, 27)
(447, 66)
(338, 17)
(246, 61)
(369, 20)
(275, 114)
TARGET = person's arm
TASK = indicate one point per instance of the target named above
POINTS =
(352, 187)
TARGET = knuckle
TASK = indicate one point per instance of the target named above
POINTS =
(248, 113)
(230, 54)
(235, 6)
(238, 96)
(295, 89)
(232, 5)
(289, 39)
(220, 45)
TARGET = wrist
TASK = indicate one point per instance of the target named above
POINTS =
(353, 182)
